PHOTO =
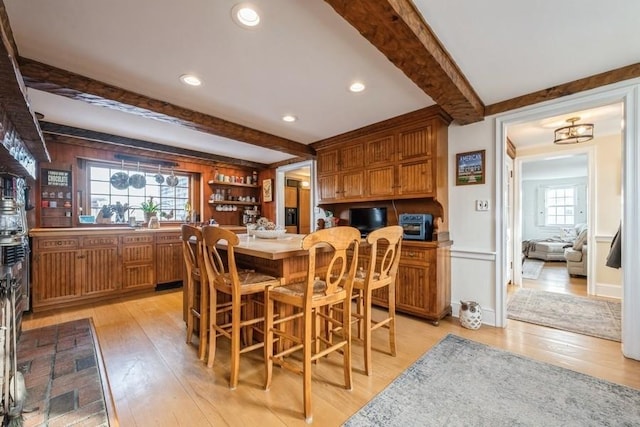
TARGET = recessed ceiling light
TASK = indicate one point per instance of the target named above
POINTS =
(289, 118)
(245, 15)
(190, 80)
(357, 87)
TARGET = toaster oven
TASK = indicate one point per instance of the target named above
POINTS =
(416, 226)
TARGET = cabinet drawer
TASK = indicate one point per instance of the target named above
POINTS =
(99, 241)
(414, 255)
(136, 239)
(168, 238)
(58, 244)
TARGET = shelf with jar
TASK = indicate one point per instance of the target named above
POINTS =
(233, 184)
(232, 202)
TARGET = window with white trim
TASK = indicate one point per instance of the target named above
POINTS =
(172, 200)
(560, 205)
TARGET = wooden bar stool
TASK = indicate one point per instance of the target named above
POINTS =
(197, 286)
(380, 271)
(311, 301)
(241, 286)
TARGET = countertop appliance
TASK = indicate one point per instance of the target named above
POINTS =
(416, 226)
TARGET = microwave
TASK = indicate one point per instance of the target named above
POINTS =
(416, 226)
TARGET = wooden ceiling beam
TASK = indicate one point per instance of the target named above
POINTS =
(608, 77)
(74, 86)
(77, 136)
(397, 29)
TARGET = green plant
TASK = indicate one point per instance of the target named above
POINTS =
(150, 206)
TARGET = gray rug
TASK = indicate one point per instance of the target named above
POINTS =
(531, 268)
(463, 383)
(583, 315)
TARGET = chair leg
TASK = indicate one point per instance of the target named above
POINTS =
(268, 340)
(235, 342)
(189, 315)
(346, 322)
(204, 319)
(306, 365)
(367, 332)
(392, 316)
(213, 333)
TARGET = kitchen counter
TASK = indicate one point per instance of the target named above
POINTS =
(98, 230)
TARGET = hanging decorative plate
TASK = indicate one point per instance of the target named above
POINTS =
(137, 180)
(159, 178)
(120, 180)
(172, 180)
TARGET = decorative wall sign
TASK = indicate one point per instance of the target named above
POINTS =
(267, 190)
(470, 167)
(57, 178)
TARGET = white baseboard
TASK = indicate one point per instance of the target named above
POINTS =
(608, 290)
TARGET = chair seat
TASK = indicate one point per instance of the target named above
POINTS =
(297, 289)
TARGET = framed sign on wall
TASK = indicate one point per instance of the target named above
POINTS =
(470, 167)
(267, 190)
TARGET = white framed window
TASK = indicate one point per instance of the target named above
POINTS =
(172, 200)
(559, 206)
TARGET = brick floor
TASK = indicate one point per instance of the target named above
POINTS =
(60, 370)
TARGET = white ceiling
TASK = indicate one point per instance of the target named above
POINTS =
(301, 59)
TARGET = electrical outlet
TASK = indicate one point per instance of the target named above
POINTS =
(482, 205)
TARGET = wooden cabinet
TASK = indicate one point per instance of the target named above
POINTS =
(397, 163)
(341, 173)
(102, 264)
(304, 216)
(422, 284)
(138, 261)
(169, 259)
(56, 271)
(290, 197)
(87, 267)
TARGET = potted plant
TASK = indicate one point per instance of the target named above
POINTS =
(149, 209)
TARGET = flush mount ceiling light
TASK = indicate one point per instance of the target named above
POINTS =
(245, 14)
(289, 118)
(573, 133)
(190, 79)
(357, 87)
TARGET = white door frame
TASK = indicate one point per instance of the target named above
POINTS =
(280, 182)
(628, 93)
(591, 206)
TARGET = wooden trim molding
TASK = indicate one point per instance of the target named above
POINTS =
(511, 149)
(60, 82)
(398, 30)
(565, 89)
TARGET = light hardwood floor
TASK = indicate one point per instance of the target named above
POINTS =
(157, 380)
(554, 278)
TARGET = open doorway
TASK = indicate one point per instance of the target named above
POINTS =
(567, 210)
(295, 198)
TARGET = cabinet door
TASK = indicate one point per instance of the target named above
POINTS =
(57, 277)
(416, 179)
(415, 145)
(169, 263)
(352, 157)
(102, 271)
(290, 197)
(411, 289)
(304, 215)
(328, 188)
(380, 151)
(381, 182)
(328, 161)
(352, 185)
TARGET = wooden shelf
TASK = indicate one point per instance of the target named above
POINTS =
(232, 184)
(233, 202)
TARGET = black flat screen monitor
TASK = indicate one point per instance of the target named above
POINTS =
(367, 219)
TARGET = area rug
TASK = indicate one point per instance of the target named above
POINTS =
(62, 371)
(583, 315)
(464, 383)
(531, 268)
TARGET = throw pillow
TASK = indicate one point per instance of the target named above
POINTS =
(568, 234)
(580, 240)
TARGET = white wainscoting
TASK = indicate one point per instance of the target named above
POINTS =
(480, 265)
